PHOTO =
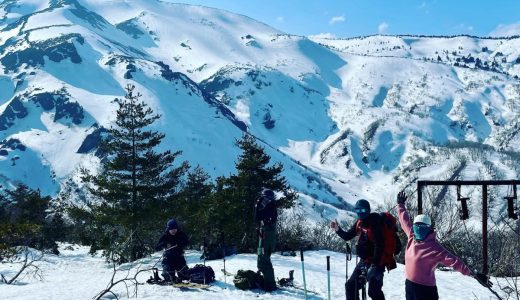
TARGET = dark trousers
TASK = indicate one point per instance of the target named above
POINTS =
(415, 291)
(172, 265)
(358, 279)
(266, 246)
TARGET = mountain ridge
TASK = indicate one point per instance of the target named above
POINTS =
(345, 120)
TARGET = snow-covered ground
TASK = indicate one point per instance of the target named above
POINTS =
(77, 275)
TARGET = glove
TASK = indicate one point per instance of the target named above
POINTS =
(401, 197)
(483, 280)
(375, 273)
(334, 225)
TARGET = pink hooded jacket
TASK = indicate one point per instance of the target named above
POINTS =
(421, 258)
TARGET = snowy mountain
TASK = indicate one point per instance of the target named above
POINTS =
(351, 118)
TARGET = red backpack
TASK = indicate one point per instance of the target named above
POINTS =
(392, 243)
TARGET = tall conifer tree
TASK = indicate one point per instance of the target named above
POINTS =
(240, 192)
(134, 184)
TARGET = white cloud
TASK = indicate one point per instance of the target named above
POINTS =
(383, 27)
(463, 28)
(425, 7)
(506, 30)
(337, 19)
(280, 19)
(324, 35)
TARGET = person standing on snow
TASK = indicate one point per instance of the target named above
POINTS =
(423, 254)
(369, 247)
(173, 241)
(265, 216)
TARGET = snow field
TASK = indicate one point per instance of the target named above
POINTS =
(77, 275)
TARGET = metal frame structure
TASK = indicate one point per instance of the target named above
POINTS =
(458, 183)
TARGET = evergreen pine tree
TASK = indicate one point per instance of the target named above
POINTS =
(134, 184)
(240, 192)
(191, 206)
(24, 218)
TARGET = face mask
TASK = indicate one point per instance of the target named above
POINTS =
(421, 231)
(362, 213)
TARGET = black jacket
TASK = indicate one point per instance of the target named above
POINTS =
(266, 211)
(167, 241)
(370, 250)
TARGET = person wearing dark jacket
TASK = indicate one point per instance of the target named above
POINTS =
(369, 248)
(173, 241)
(265, 216)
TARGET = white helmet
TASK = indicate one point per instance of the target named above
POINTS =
(423, 219)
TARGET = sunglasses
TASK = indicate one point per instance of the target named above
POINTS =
(361, 210)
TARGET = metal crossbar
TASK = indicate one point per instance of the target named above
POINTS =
(484, 184)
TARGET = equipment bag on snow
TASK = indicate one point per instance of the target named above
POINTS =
(201, 274)
(247, 280)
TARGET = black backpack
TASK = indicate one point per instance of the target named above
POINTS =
(201, 274)
(248, 279)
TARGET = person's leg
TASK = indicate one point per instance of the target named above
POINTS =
(181, 268)
(264, 260)
(168, 272)
(375, 286)
(351, 286)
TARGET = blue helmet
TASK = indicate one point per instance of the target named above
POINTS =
(362, 209)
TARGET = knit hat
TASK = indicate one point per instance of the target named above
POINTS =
(172, 224)
(268, 194)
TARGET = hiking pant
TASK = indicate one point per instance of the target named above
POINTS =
(415, 291)
(266, 246)
(358, 279)
(172, 265)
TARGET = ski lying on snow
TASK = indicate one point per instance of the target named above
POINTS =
(296, 288)
(180, 285)
(191, 285)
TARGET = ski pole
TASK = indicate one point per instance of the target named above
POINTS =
(348, 256)
(303, 273)
(356, 279)
(204, 256)
(224, 258)
(328, 276)
(364, 288)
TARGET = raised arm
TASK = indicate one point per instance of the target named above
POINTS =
(404, 218)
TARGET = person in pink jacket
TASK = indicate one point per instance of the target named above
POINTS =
(423, 254)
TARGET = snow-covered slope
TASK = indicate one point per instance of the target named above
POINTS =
(77, 275)
(348, 118)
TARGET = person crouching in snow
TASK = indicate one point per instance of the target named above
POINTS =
(173, 241)
(423, 254)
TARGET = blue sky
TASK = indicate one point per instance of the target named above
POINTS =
(349, 18)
